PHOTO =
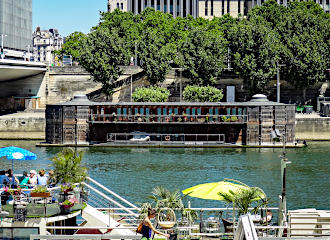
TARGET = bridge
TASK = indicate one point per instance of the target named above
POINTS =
(14, 69)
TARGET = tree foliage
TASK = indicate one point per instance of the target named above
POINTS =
(72, 46)
(303, 31)
(202, 94)
(150, 94)
(202, 55)
(297, 36)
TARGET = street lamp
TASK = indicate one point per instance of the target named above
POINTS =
(2, 36)
(278, 79)
(276, 136)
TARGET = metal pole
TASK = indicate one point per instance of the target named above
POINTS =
(180, 85)
(278, 82)
(135, 51)
(131, 88)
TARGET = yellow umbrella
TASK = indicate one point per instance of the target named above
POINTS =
(211, 190)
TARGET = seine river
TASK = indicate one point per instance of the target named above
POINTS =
(133, 172)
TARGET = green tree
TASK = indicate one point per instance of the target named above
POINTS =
(151, 94)
(72, 46)
(255, 48)
(303, 30)
(202, 94)
(202, 55)
(109, 45)
(67, 166)
(156, 47)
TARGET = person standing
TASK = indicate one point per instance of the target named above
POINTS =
(147, 226)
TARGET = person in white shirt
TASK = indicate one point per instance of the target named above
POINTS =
(33, 178)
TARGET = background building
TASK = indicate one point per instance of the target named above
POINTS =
(16, 23)
(196, 8)
(44, 43)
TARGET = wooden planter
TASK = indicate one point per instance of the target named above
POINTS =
(41, 194)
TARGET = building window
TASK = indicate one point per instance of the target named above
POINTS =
(206, 9)
(223, 7)
(239, 6)
(158, 4)
(327, 2)
(321, 2)
(122, 6)
(228, 6)
(117, 5)
(211, 7)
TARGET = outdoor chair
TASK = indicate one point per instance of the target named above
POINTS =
(228, 225)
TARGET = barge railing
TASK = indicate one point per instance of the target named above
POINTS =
(170, 137)
(168, 119)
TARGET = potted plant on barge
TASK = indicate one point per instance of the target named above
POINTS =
(67, 204)
(69, 170)
(40, 191)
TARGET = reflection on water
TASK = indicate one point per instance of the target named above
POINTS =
(134, 172)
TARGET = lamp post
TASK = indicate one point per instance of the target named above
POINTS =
(276, 135)
(2, 37)
(278, 80)
(2, 52)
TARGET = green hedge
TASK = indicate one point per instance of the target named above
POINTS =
(151, 94)
(202, 94)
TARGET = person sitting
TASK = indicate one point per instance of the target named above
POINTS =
(24, 180)
(268, 218)
(13, 181)
(4, 180)
(51, 181)
(33, 178)
(41, 178)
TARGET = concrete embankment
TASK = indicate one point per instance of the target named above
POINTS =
(23, 125)
(312, 127)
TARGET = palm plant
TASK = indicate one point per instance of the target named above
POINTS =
(164, 198)
(67, 166)
(245, 198)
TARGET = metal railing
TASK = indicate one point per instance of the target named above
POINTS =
(157, 137)
(168, 119)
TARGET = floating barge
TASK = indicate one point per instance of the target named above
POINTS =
(81, 122)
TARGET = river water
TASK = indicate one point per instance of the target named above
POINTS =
(133, 172)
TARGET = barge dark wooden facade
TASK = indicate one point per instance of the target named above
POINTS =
(81, 121)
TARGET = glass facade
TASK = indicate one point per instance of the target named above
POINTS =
(16, 23)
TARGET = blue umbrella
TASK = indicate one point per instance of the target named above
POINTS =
(16, 153)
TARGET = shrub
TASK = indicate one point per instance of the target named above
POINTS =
(151, 94)
(202, 94)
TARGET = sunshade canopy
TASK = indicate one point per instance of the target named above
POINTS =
(212, 190)
(16, 153)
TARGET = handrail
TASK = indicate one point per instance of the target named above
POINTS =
(84, 236)
(109, 199)
(111, 192)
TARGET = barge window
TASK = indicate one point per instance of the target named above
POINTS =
(124, 111)
(216, 113)
(118, 111)
(228, 111)
(188, 111)
(234, 111)
(142, 111)
(170, 111)
(136, 111)
(199, 111)
(239, 111)
(211, 114)
(176, 111)
(147, 111)
(193, 111)
(164, 111)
